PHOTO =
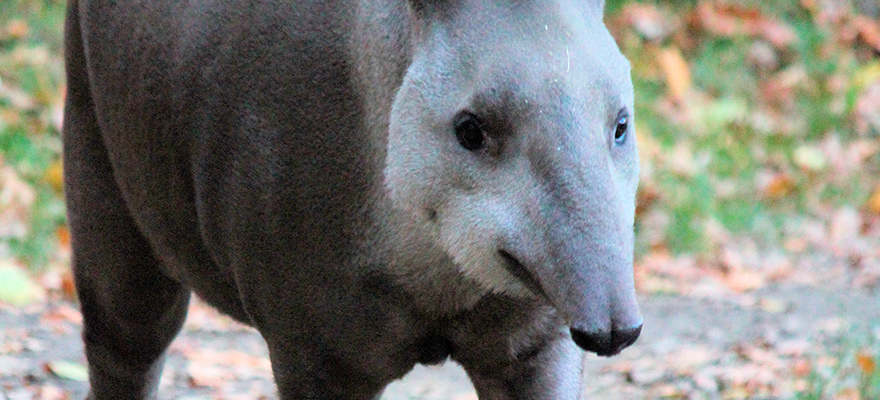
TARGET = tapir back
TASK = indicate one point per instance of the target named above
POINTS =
(209, 156)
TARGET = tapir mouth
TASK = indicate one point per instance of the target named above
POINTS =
(603, 343)
(519, 271)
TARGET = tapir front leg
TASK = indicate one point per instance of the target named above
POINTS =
(514, 350)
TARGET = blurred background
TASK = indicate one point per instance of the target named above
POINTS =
(758, 220)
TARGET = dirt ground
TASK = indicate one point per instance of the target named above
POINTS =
(690, 347)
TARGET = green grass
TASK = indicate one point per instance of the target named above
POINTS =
(723, 129)
(29, 141)
(852, 368)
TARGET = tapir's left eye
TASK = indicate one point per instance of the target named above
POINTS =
(622, 127)
(469, 132)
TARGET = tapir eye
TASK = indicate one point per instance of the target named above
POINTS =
(469, 132)
(622, 127)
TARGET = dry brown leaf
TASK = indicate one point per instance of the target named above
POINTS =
(745, 280)
(848, 394)
(63, 235)
(17, 29)
(869, 31)
(68, 288)
(61, 313)
(874, 201)
(676, 72)
(49, 392)
(802, 368)
(725, 19)
(54, 176)
(775, 186)
(206, 375)
(866, 362)
(810, 5)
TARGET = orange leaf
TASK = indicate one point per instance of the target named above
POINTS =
(63, 235)
(866, 363)
(676, 71)
(869, 31)
(731, 20)
(874, 201)
(68, 288)
(802, 368)
(17, 29)
(743, 280)
(54, 176)
(778, 186)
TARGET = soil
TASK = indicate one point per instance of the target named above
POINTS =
(215, 358)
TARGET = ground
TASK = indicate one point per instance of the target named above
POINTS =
(761, 344)
(757, 228)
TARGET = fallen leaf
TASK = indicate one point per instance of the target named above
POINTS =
(725, 19)
(54, 176)
(17, 29)
(866, 363)
(68, 370)
(869, 31)
(49, 392)
(206, 375)
(874, 201)
(802, 368)
(676, 71)
(775, 186)
(62, 313)
(744, 280)
(68, 288)
(848, 394)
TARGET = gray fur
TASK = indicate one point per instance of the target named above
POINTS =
(294, 163)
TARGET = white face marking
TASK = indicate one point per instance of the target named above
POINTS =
(557, 194)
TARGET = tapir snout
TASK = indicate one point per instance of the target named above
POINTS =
(623, 315)
(606, 343)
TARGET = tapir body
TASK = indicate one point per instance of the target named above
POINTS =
(371, 184)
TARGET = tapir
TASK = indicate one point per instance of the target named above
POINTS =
(371, 184)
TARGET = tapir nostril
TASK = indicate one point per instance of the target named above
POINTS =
(606, 343)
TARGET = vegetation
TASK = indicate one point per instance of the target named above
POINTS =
(758, 125)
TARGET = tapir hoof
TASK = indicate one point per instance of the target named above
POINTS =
(606, 344)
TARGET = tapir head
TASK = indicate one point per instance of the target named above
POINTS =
(511, 139)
